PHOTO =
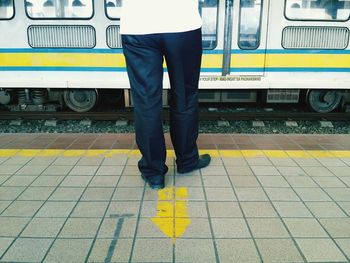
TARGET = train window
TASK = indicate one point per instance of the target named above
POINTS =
(6, 9)
(113, 8)
(209, 10)
(59, 9)
(249, 25)
(332, 10)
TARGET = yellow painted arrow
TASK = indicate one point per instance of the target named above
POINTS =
(172, 218)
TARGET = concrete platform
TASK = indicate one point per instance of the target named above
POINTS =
(80, 198)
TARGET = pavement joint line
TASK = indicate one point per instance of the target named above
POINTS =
(108, 153)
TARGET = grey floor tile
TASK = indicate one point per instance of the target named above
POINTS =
(12, 226)
(84, 170)
(317, 171)
(320, 250)
(331, 162)
(5, 242)
(48, 180)
(344, 244)
(104, 181)
(230, 228)
(10, 193)
(159, 250)
(345, 206)
(147, 228)
(109, 226)
(339, 194)
(4, 178)
(97, 194)
(3, 205)
(224, 209)
(96, 160)
(265, 170)
(42, 160)
(281, 194)
(80, 228)
(346, 180)
(131, 169)
(128, 194)
(19, 160)
(234, 161)
(291, 171)
(23, 208)
(69, 250)
(337, 227)
(239, 170)
(251, 194)
(31, 170)
(292, 209)
(66, 194)
(19, 180)
(279, 250)
(244, 181)
(325, 209)
(56, 209)
(131, 181)
(36, 193)
(43, 227)
(194, 250)
(214, 171)
(191, 209)
(304, 227)
(101, 251)
(301, 181)
(27, 250)
(195, 194)
(115, 160)
(198, 228)
(312, 194)
(9, 169)
(76, 181)
(89, 209)
(220, 194)
(189, 181)
(339, 171)
(216, 181)
(329, 181)
(267, 228)
(237, 250)
(127, 207)
(273, 181)
(63, 160)
(305, 162)
(258, 161)
(287, 162)
(110, 170)
(58, 170)
(258, 209)
(149, 208)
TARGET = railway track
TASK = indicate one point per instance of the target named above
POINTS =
(203, 116)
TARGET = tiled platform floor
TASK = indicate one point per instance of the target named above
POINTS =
(290, 205)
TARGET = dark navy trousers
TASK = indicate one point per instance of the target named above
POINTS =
(144, 56)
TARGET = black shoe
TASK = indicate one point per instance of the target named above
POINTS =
(155, 182)
(203, 161)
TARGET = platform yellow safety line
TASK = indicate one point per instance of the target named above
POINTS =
(172, 217)
(109, 153)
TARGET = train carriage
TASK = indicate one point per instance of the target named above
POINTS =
(69, 51)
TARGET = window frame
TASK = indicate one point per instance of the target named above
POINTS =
(13, 14)
(106, 13)
(61, 18)
(310, 20)
(239, 26)
(216, 27)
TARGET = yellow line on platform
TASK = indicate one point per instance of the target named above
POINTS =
(214, 153)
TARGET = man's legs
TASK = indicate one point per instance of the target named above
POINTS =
(144, 61)
(183, 52)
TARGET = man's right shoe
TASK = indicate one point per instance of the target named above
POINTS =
(155, 182)
(203, 161)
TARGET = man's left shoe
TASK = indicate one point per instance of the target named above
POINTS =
(155, 182)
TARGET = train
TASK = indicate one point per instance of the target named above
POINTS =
(58, 54)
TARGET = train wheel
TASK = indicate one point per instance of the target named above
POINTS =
(324, 101)
(80, 100)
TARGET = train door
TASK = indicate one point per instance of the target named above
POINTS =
(245, 33)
